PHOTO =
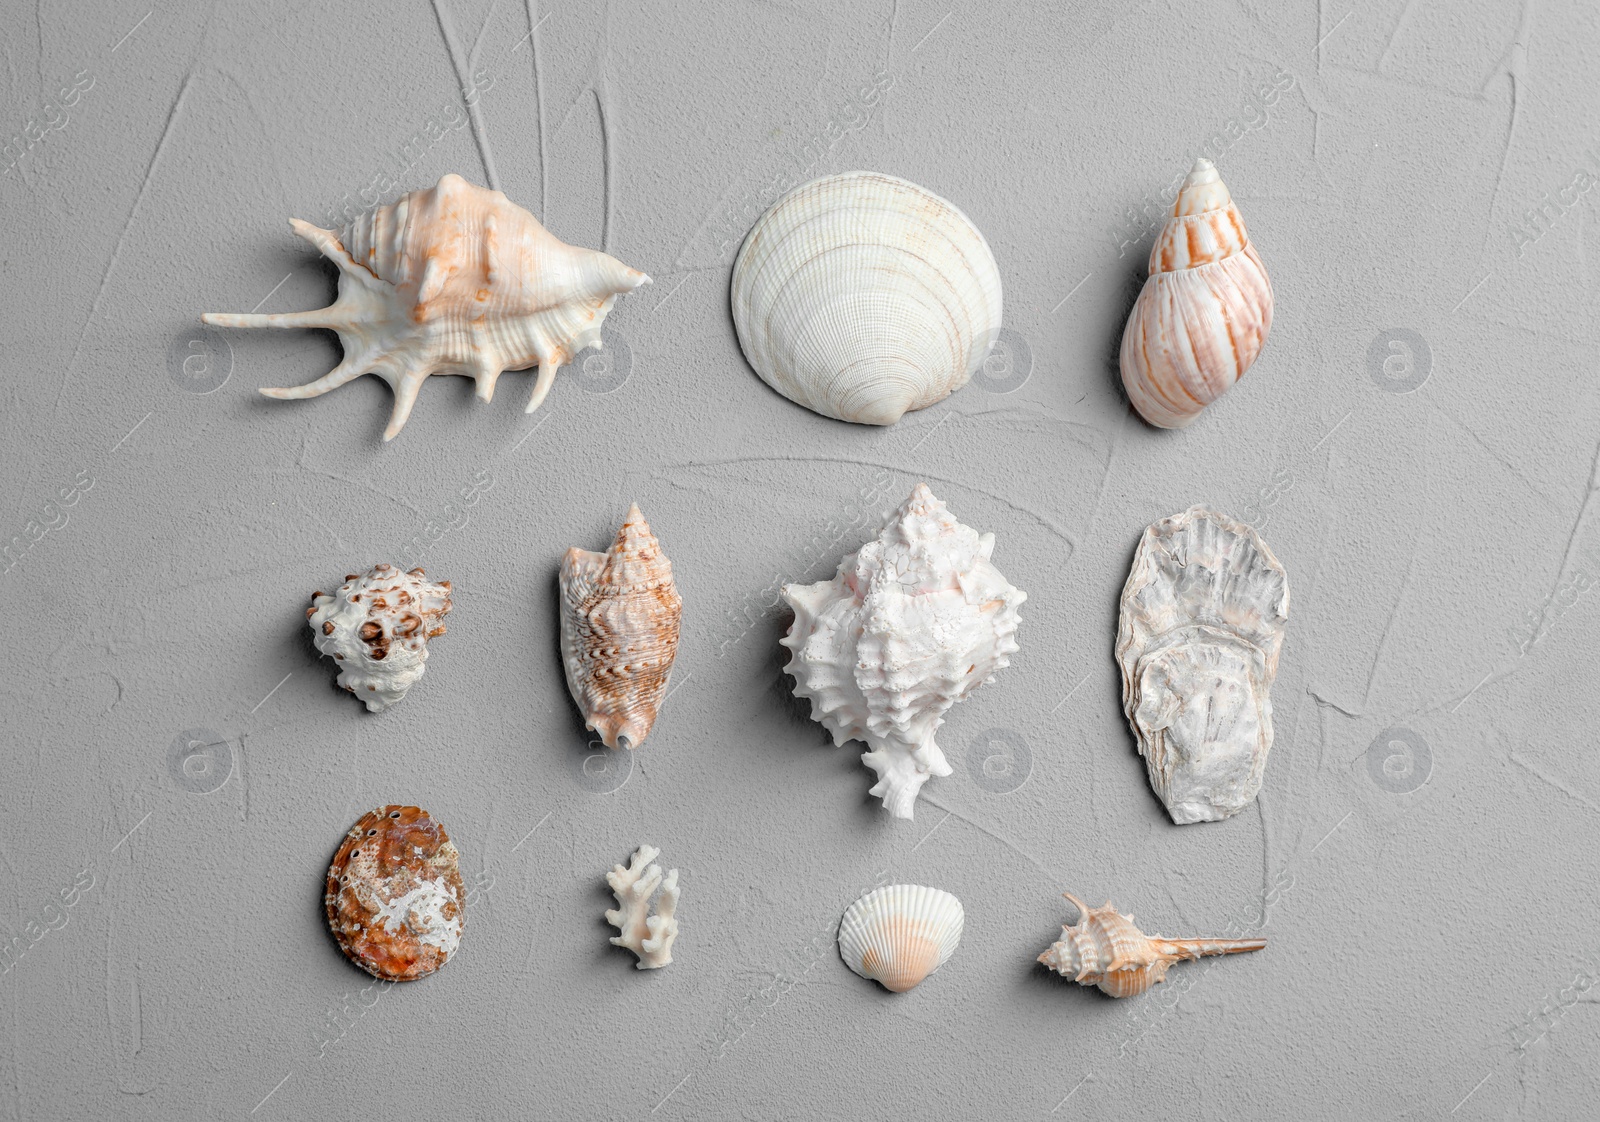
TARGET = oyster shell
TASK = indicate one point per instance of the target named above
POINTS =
(377, 627)
(456, 279)
(862, 296)
(913, 623)
(394, 897)
(1205, 309)
(899, 934)
(620, 612)
(1105, 949)
(650, 937)
(1202, 621)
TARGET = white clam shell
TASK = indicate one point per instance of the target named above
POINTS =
(899, 934)
(862, 296)
(1205, 309)
(1202, 623)
(912, 623)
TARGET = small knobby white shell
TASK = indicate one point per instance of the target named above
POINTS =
(456, 279)
(377, 627)
(862, 296)
(1205, 309)
(1201, 626)
(899, 934)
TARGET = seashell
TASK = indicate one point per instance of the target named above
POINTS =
(620, 612)
(377, 628)
(913, 623)
(862, 297)
(1202, 623)
(650, 937)
(394, 895)
(456, 279)
(899, 934)
(1105, 949)
(1205, 309)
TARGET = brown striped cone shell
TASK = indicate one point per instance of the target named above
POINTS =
(456, 279)
(1205, 309)
(1105, 949)
(899, 934)
(620, 612)
(377, 627)
(394, 896)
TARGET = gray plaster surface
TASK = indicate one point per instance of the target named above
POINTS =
(1417, 444)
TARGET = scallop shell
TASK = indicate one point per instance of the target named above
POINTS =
(899, 934)
(862, 297)
(1202, 623)
(649, 937)
(1205, 309)
(456, 279)
(1105, 949)
(619, 632)
(377, 628)
(913, 623)
(394, 896)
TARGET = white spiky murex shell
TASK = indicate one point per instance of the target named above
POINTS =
(1202, 622)
(1105, 949)
(912, 623)
(456, 279)
(377, 627)
(861, 297)
(1205, 309)
(899, 934)
(620, 616)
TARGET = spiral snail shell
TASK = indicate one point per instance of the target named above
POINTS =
(1205, 309)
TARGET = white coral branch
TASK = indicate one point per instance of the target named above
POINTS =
(648, 936)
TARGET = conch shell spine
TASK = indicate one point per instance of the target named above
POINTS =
(456, 279)
(1205, 309)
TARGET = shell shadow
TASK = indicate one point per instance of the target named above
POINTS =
(1133, 276)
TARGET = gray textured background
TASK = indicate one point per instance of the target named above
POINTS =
(1417, 444)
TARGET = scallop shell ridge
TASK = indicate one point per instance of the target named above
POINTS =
(862, 297)
(899, 934)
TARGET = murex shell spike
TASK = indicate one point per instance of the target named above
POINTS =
(1106, 950)
(456, 279)
(1205, 309)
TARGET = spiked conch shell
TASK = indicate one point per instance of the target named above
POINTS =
(913, 623)
(1201, 626)
(898, 935)
(456, 279)
(1204, 311)
(620, 612)
(1105, 949)
(862, 297)
(377, 628)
